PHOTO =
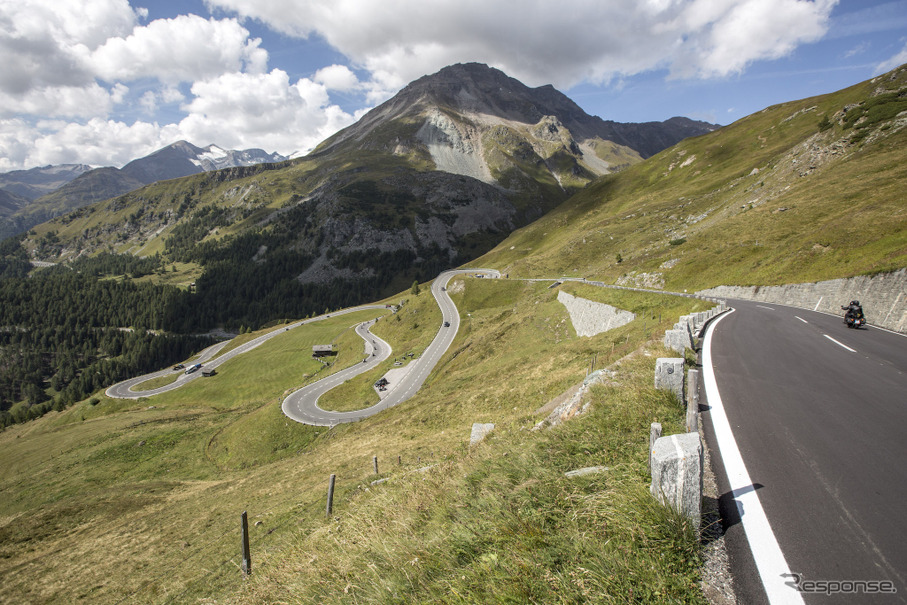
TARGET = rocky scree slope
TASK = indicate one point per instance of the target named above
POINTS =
(475, 120)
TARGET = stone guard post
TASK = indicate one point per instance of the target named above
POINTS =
(669, 375)
(677, 474)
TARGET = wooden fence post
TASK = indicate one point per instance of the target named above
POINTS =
(331, 495)
(693, 401)
(375, 463)
(246, 555)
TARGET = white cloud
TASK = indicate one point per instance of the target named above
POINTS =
(337, 77)
(895, 61)
(262, 110)
(171, 95)
(42, 42)
(15, 143)
(182, 49)
(737, 34)
(589, 40)
(151, 100)
(97, 142)
(87, 101)
(148, 102)
(78, 60)
(55, 53)
(237, 110)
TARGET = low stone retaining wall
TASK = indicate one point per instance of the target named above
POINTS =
(590, 318)
(883, 296)
(676, 461)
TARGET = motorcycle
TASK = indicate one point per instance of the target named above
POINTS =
(853, 315)
(855, 322)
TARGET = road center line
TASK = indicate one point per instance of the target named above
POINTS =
(764, 307)
(770, 561)
(801, 319)
(839, 344)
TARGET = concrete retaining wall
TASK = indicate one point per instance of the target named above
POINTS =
(883, 296)
(590, 318)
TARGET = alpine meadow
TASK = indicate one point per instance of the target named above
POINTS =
(113, 500)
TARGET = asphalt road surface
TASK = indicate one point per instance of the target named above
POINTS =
(818, 491)
(125, 389)
(302, 405)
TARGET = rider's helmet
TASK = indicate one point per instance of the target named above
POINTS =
(856, 302)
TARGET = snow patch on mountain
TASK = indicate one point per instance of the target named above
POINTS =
(213, 157)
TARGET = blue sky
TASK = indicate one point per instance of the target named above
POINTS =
(105, 81)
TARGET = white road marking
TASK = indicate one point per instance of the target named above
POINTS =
(770, 561)
(801, 319)
(839, 344)
(764, 307)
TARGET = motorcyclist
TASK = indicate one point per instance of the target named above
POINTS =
(853, 311)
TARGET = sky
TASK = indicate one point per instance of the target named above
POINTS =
(102, 82)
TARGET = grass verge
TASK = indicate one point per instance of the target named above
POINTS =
(501, 522)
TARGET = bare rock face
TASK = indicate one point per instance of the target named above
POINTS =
(452, 149)
(431, 211)
(459, 113)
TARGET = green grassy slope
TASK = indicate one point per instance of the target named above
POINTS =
(770, 199)
(141, 499)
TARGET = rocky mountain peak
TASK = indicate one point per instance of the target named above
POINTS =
(474, 92)
(478, 88)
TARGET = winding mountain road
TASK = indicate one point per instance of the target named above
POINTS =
(126, 389)
(302, 406)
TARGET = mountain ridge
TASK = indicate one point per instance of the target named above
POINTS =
(35, 182)
(66, 187)
(801, 191)
(475, 89)
(423, 179)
